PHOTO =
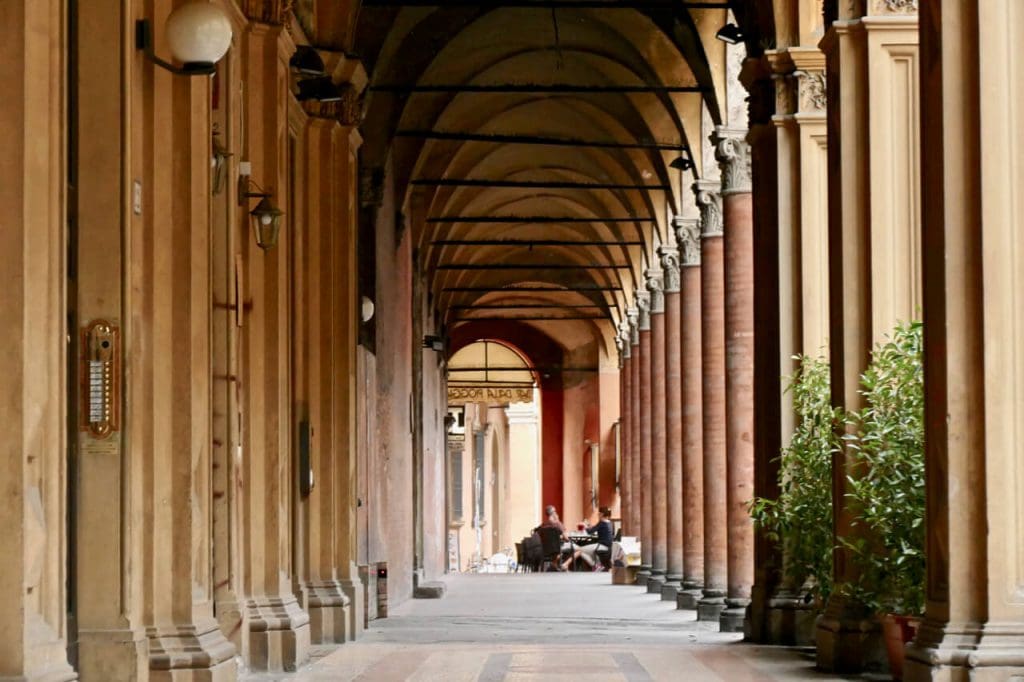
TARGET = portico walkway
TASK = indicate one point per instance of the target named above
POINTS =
(535, 627)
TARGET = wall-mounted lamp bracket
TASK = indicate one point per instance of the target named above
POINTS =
(144, 42)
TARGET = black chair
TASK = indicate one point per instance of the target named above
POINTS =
(604, 555)
(551, 547)
(520, 558)
(532, 554)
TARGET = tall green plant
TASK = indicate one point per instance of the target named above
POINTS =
(801, 516)
(886, 479)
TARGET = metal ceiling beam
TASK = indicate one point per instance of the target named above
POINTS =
(539, 220)
(551, 368)
(528, 266)
(553, 4)
(533, 243)
(530, 88)
(557, 290)
(531, 184)
(524, 306)
(509, 138)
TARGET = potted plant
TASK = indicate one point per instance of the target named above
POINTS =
(886, 489)
(800, 518)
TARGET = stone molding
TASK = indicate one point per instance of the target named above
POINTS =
(709, 201)
(654, 279)
(688, 238)
(894, 7)
(733, 155)
(643, 306)
(633, 320)
(669, 256)
(274, 12)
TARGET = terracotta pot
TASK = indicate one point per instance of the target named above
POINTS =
(898, 631)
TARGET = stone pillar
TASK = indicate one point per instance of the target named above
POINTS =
(712, 291)
(276, 629)
(33, 309)
(874, 247)
(658, 483)
(733, 154)
(673, 425)
(635, 512)
(524, 464)
(625, 428)
(688, 237)
(643, 304)
(974, 618)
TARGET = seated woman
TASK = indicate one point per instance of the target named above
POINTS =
(605, 534)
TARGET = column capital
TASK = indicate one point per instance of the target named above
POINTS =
(633, 320)
(709, 201)
(623, 341)
(894, 7)
(654, 279)
(643, 306)
(275, 12)
(669, 255)
(371, 186)
(688, 238)
(347, 111)
(733, 155)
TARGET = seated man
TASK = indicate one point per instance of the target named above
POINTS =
(551, 520)
(605, 534)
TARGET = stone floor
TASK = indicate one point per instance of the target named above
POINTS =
(551, 626)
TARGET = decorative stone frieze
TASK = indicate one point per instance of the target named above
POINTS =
(894, 7)
(709, 201)
(688, 238)
(654, 279)
(812, 89)
(633, 321)
(669, 256)
(733, 155)
(643, 306)
(348, 111)
(275, 12)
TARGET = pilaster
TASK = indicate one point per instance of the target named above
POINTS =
(712, 295)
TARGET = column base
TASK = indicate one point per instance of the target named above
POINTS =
(849, 639)
(643, 575)
(277, 634)
(354, 589)
(790, 620)
(46, 654)
(191, 652)
(670, 590)
(711, 605)
(112, 654)
(328, 609)
(655, 582)
(982, 653)
(733, 618)
(229, 617)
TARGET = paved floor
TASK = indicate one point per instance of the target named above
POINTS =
(551, 626)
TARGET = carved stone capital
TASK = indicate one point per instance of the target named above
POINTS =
(623, 340)
(348, 111)
(275, 12)
(643, 306)
(688, 238)
(633, 320)
(654, 280)
(812, 88)
(894, 7)
(371, 187)
(669, 256)
(709, 201)
(733, 155)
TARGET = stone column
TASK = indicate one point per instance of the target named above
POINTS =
(635, 512)
(625, 428)
(643, 304)
(974, 618)
(33, 450)
(669, 255)
(874, 247)
(276, 629)
(658, 483)
(733, 154)
(688, 237)
(712, 292)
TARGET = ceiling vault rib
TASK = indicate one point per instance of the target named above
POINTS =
(545, 220)
(552, 4)
(525, 306)
(531, 318)
(511, 138)
(528, 266)
(551, 368)
(534, 242)
(557, 290)
(533, 184)
(531, 88)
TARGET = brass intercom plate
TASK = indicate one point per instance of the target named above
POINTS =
(100, 376)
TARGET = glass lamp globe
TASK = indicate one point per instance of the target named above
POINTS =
(198, 33)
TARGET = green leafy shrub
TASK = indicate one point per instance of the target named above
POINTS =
(886, 478)
(801, 517)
